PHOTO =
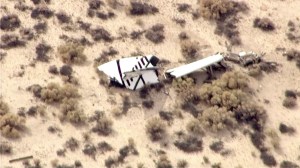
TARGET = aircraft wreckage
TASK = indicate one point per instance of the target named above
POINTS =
(136, 72)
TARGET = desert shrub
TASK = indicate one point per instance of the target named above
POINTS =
(41, 27)
(148, 104)
(66, 70)
(26, 33)
(136, 34)
(72, 144)
(110, 52)
(188, 143)
(224, 12)
(156, 33)
(226, 91)
(83, 41)
(103, 126)
(190, 108)
(4, 109)
(63, 17)
(292, 54)
(35, 89)
(72, 53)
(90, 150)
(11, 41)
(190, 50)
(289, 102)
(95, 4)
(71, 112)
(268, 159)
(185, 88)
(268, 67)
(182, 164)
(126, 104)
(165, 115)
(255, 71)
(5, 148)
(217, 146)
(144, 92)
(9, 22)
(163, 162)
(288, 164)
(51, 93)
(39, 12)
(21, 6)
(105, 16)
(220, 9)
(156, 129)
(283, 128)
(104, 147)
(217, 119)
(34, 110)
(180, 22)
(183, 7)
(42, 50)
(101, 34)
(257, 139)
(111, 162)
(53, 69)
(229, 29)
(194, 127)
(11, 125)
(251, 114)
(61, 152)
(53, 129)
(139, 8)
(183, 36)
(290, 93)
(127, 150)
(264, 24)
(216, 165)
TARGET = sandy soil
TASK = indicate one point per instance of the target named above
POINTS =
(43, 145)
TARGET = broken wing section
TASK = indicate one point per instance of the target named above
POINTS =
(194, 66)
(132, 72)
(141, 73)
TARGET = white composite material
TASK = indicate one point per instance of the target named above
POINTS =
(118, 69)
(194, 66)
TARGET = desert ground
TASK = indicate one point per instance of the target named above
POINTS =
(39, 122)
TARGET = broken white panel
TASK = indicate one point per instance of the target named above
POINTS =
(194, 66)
(118, 69)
